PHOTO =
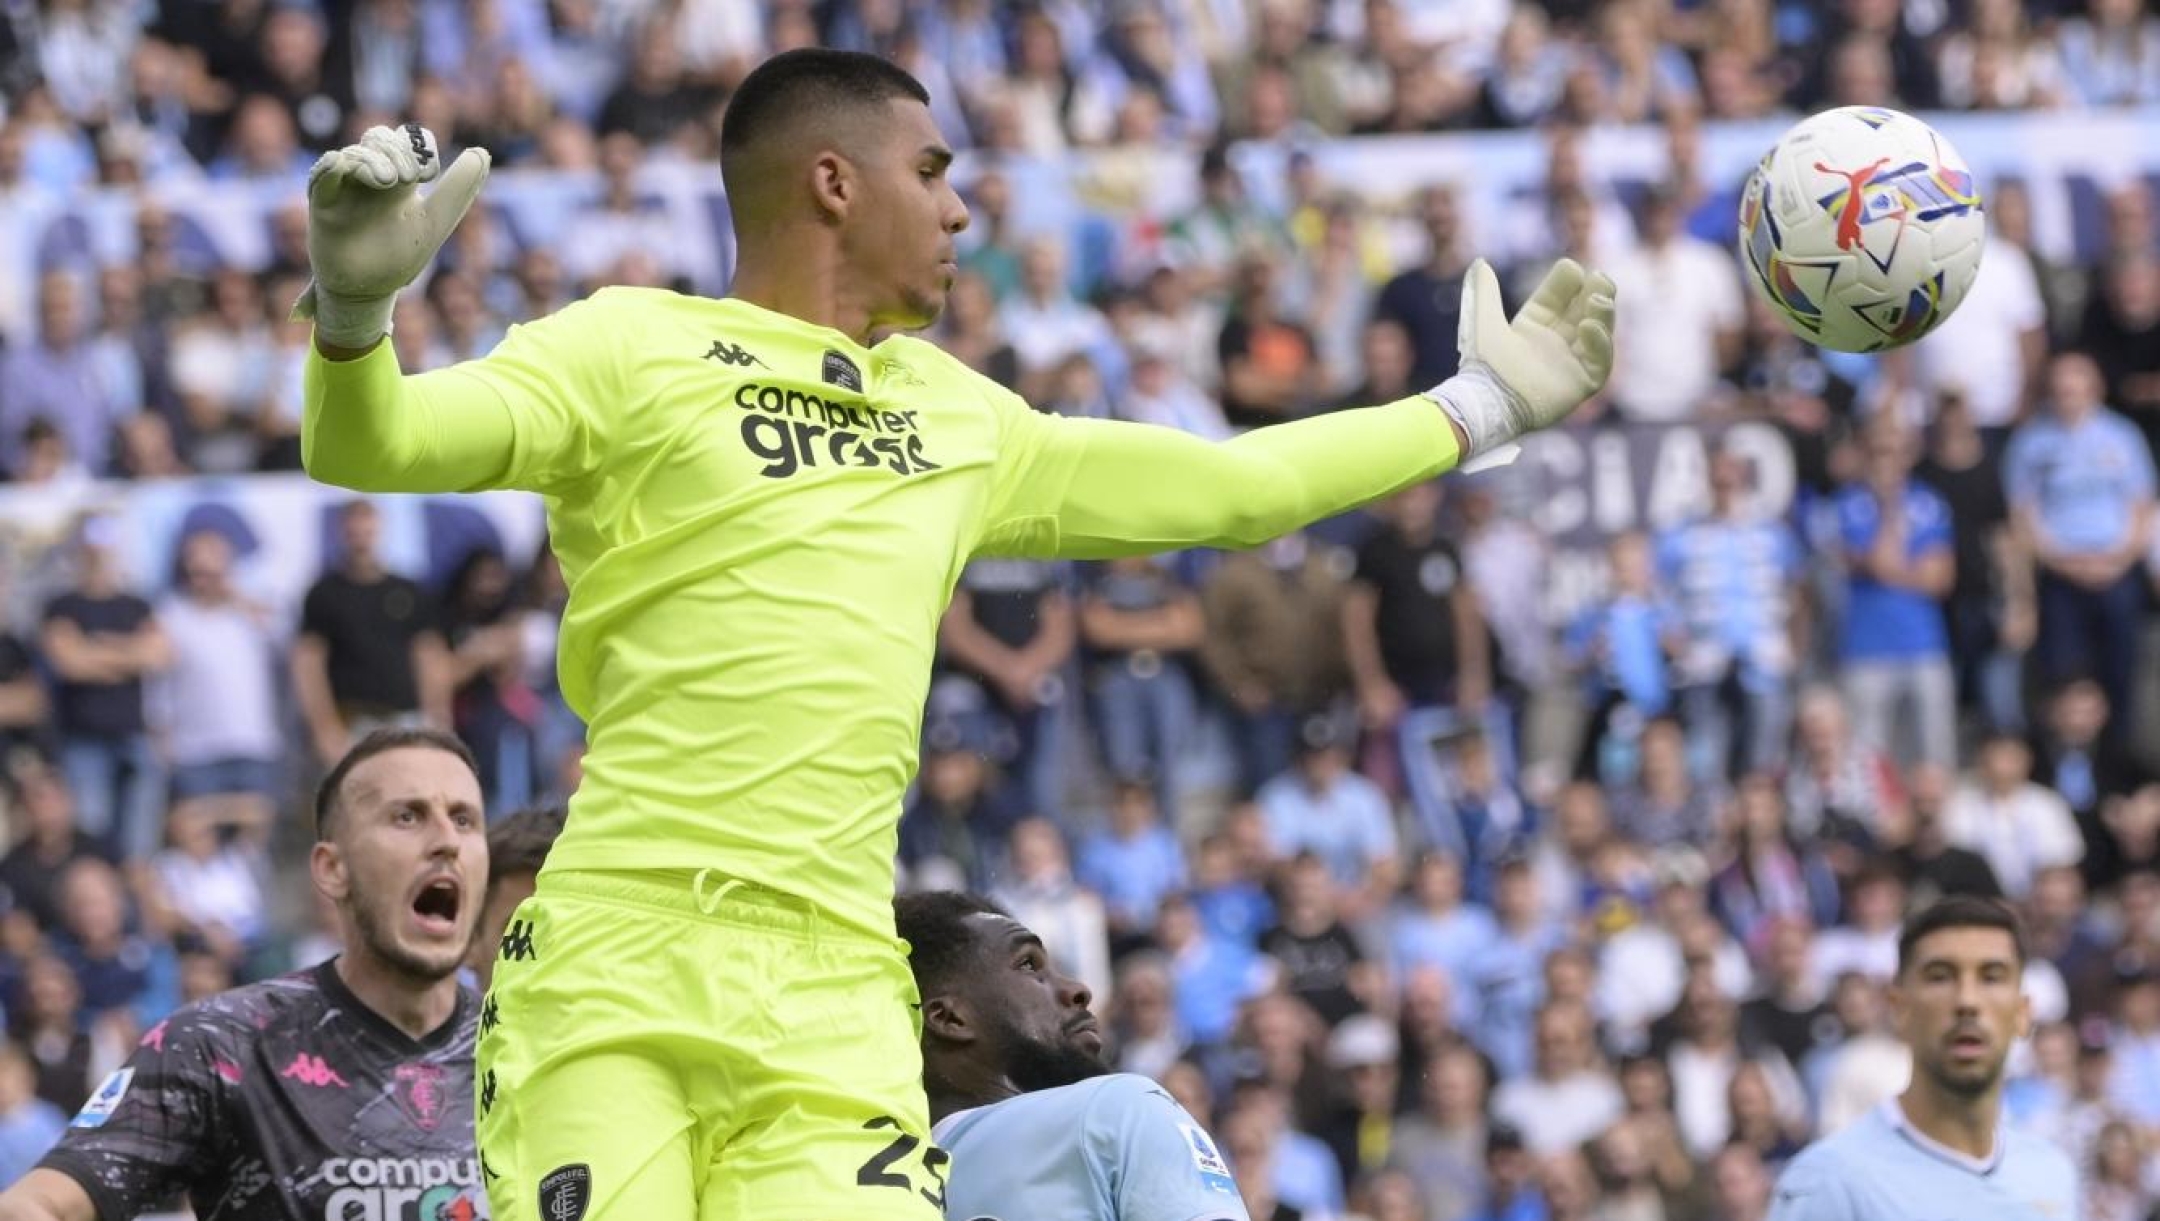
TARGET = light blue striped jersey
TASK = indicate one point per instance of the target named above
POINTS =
(1114, 1148)
(1883, 1169)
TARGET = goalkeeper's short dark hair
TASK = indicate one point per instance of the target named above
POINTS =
(815, 83)
(940, 943)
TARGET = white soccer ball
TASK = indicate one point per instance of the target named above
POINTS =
(1862, 228)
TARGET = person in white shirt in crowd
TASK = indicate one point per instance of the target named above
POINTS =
(1570, 1096)
(1071, 920)
(1045, 323)
(1992, 348)
(226, 767)
(2019, 827)
(1668, 358)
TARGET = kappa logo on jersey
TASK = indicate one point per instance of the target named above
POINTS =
(1207, 1159)
(517, 942)
(405, 1189)
(487, 1091)
(419, 1092)
(311, 1070)
(795, 430)
(490, 1018)
(566, 1193)
(839, 371)
(733, 354)
(105, 1101)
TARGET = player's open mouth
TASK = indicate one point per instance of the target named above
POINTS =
(437, 904)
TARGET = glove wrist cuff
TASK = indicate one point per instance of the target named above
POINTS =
(1488, 412)
(351, 322)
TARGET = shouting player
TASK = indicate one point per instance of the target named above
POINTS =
(345, 1090)
(1941, 1149)
(1035, 1122)
(761, 509)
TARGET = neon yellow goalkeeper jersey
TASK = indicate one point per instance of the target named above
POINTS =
(761, 523)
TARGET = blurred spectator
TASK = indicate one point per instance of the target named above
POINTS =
(1426, 300)
(1897, 536)
(47, 1017)
(2111, 56)
(493, 709)
(2017, 825)
(1361, 1128)
(1011, 628)
(1920, 847)
(1442, 1143)
(103, 643)
(1046, 323)
(1322, 807)
(48, 840)
(1789, 1011)
(1838, 781)
(1865, 942)
(29, 1125)
(1990, 613)
(1270, 647)
(216, 889)
(1570, 1097)
(1134, 864)
(1668, 359)
(1506, 978)
(954, 819)
(2121, 329)
(1149, 1040)
(1140, 626)
(1990, 352)
(1772, 873)
(1734, 575)
(1664, 807)
(224, 768)
(1321, 961)
(57, 379)
(1622, 645)
(1271, 368)
(371, 650)
(2081, 492)
(1214, 976)
(129, 979)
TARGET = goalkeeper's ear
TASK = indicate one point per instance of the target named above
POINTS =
(947, 1020)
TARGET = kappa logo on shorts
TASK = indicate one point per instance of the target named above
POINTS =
(566, 1193)
(517, 942)
(487, 1091)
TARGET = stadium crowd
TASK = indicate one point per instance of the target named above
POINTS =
(1431, 903)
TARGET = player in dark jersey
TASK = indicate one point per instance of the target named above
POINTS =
(342, 1091)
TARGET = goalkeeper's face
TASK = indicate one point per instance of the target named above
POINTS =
(899, 235)
(1036, 1022)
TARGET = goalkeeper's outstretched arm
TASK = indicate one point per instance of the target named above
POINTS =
(1096, 489)
(519, 418)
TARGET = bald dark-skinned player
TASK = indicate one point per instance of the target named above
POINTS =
(761, 504)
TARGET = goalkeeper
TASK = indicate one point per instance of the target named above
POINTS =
(703, 1011)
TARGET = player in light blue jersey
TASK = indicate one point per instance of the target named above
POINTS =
(1940, 1151)
(1036, 1123)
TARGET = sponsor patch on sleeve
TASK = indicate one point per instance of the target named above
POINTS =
(105, 1100)
(1207, 1159)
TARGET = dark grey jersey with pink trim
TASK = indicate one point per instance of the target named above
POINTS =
(286, 1100)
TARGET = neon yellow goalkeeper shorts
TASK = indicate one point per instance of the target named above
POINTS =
(679, 1048)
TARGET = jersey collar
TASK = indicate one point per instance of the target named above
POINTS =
(1894, 1114)
(333, 986)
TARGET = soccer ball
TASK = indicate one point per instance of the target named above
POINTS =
(1862, 228)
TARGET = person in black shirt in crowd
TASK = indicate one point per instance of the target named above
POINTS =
(1989, 611)
(343, 1090)
(102, 643)
(1426, 300)
(24, 708)
(371, 651)
(1011, 629)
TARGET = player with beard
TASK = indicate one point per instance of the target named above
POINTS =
(1940, 1151)
(341, 1091)
(1035, 1121)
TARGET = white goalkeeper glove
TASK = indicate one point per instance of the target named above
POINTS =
(1517, 377)
(370, 233)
